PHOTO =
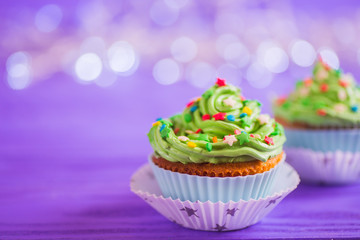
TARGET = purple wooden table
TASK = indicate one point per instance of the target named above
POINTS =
(67, 153)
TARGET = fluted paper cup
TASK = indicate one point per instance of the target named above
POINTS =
(225, 189)
(210, 216)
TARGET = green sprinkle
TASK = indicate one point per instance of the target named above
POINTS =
(208, 147)
(305, 102)
(286, 105)
(338, 73)
(165, 132)
(208, 93)
(187, 117)
(258, 103)
(166, 122)
(274, 133)
(243, 138)
(246, 101)
(203, 137)
(245, 121)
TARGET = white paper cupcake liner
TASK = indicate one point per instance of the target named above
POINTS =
(224, 189)
(211, 216)
(336, 167)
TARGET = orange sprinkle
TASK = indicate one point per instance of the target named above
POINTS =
(214, 139)
(191, 144)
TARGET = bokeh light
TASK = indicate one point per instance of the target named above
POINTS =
(166, 71)
(330, 57)
(201, 74)
(258, 75)
(237, 54)
(88, 67)
(122, 57)
(302, 53)
(184, 49)
(48, 18)
(276, 60)
(18, 70)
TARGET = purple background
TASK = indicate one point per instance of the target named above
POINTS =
(69, 147)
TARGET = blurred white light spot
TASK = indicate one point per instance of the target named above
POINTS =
(184, 49)
(93, 44)
(166, 71)
(344, 31)
(258, 76)
(330, 57)
(122, 57)
(162, 14)
(223, 41)
(303, 53)
(276, 60)
(237, 54)
(18, 69)
(230, 73)
(201, 74)
(48, 18)
(176, 3)
(88, 67)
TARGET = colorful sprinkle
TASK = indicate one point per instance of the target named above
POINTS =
(191, 144)
(187, 117)
(156, 124)
(190, 103)
(354, 108)
(255, 136)
(163, 121)
(219, 116)
(280, 100)
(189, 132)
(203, 137)
(231, 118)
(243, 138)
(176, 130)
(322, 74)
(245, 121)
(263, 119)
(243, 115)
(229, 102)
(183, 138)
(339, 107)
(165, 131)
(230, 139)
(324, 87)
(214, 139)
(158, 119)
(208, 147)
(247, 110)
(208, 93)
(199, 130)
(274, 133)
(237, 132)
(269, 140)
(304, 92)
(220, 82)
(342, 94)
(242, 98)
(206, 117)
(193, 108)
(321, 112)
(162, 127)
(308, 82)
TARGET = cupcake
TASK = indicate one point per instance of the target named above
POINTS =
(220, 148)
(322, 119)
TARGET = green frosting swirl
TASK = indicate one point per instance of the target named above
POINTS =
(219, 127)
(328, 98)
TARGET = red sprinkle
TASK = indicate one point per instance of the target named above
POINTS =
(220, 82)
(237, 132)
(219, 116)
(206, 117)
(190, 103)
(321, 112)
(252, 135)
(280, 100)
(176, 130)
(324, 87)
(326, 66)
(199, 130)
(269, 140)
(307, 82)
(343, 83)
(242, 98)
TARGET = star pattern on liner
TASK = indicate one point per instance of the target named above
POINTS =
(272, 201)
(263, 119)
(229, 102)
(189, 211)
(230, 139)
(231, 211)
(220, 228)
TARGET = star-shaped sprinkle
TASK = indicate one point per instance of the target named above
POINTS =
(308, 82)
(242, 98)
(190, 212)
(191, 144)
(263, 119)
(322, 74)
(324, 87)
(321, 112)
(208, 147)
(230, 139)
(342, 94)
(345, 80)
(243, 138)
(206, 117)
(165, 131)
(339, 107)
(208, 93)
(187, 117)
(203, 137)
(183, 138)
(230, 118)
(229, 102)
(198, 131)
(237, 131)
(245, 122)
(220, 228)
(214, 139)
(304, 92)
(220, 82)
(247, 110)
(231, 211)
(269, 140)
(193, 108)
(354, 108)
(219, 116)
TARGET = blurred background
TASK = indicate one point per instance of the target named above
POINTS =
(91, 76)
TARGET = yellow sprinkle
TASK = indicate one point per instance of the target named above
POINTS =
(247, 110)
(156, 123)
(214, 139)
(191, 144)
(198, 99)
